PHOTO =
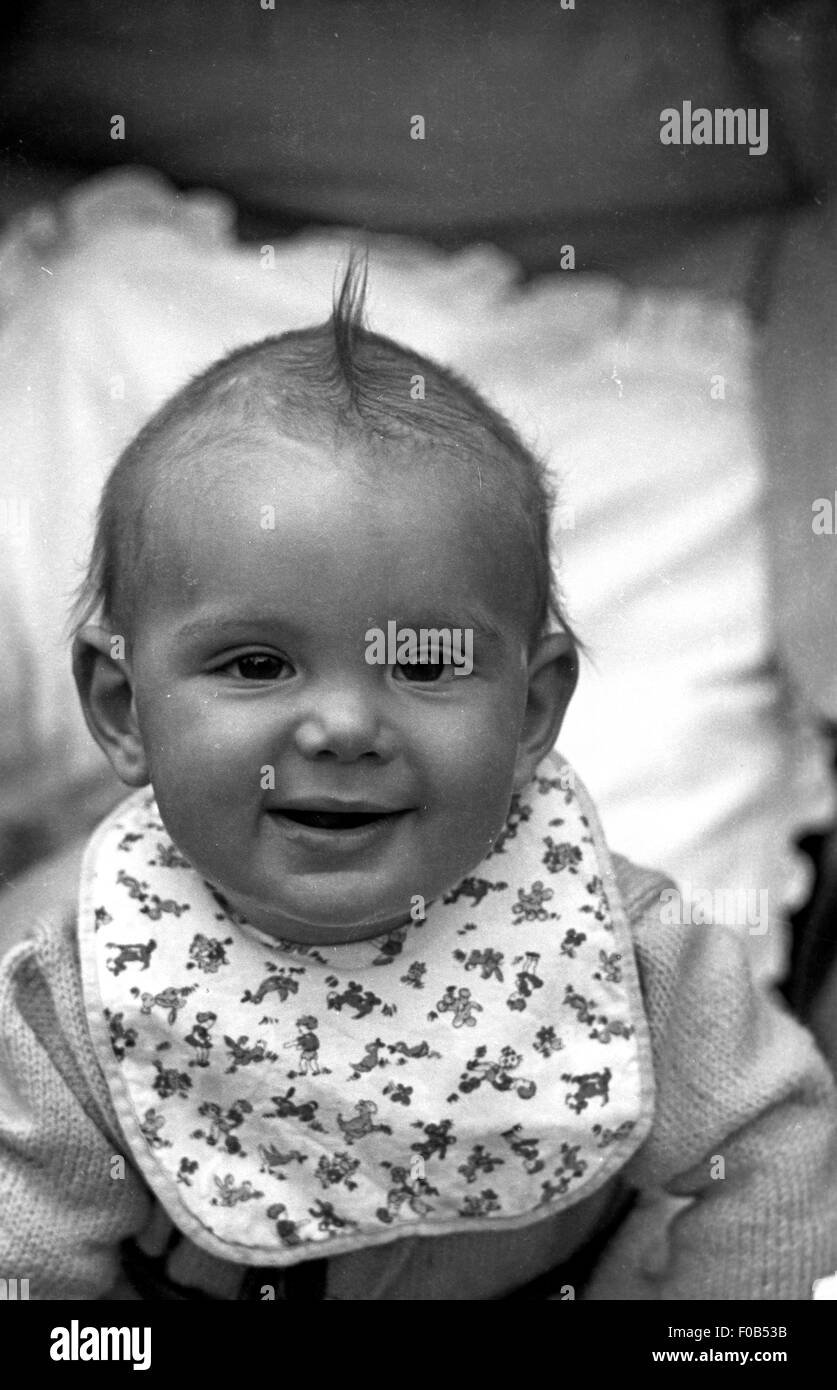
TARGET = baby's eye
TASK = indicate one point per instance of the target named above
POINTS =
(259, 666)
(424, 672)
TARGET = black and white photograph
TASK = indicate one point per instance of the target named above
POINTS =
(418, 704)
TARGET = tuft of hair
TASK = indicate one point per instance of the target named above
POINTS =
(321, 382)
(348, 320)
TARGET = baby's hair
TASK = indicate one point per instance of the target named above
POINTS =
(324, 382)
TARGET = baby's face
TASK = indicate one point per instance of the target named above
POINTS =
(319, 792)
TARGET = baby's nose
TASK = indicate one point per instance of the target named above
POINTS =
(344, 726)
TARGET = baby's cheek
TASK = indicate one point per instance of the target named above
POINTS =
(487, 743)
(203, 737)
(476, 779)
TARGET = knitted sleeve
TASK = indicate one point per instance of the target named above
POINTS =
(745, 1131)
(69, 1192)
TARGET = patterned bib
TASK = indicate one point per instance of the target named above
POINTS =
(484, 1067)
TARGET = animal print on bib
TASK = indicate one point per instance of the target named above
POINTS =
(486, 1066)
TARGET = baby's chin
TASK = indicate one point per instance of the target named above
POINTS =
(326, 933)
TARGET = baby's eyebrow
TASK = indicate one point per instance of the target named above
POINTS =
(195, 628)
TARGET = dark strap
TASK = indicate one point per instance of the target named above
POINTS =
(148, 1276)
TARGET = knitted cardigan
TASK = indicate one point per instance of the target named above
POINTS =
(744, 1134)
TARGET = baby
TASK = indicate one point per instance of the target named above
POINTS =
(348, 999)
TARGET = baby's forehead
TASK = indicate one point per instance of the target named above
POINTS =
(216, 461)
(410, 503)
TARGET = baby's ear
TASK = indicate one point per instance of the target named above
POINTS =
(105, 688)
(553, 673)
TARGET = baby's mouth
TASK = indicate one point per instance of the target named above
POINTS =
(336, 820)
